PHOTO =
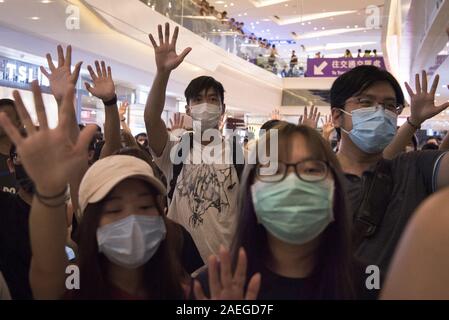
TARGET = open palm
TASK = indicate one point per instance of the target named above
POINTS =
(223, 284)
(104, 87)
(166, 57)
(61, 78)
(48, 155)
(422, 105)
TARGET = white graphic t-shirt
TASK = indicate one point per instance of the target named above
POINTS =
(205, 197)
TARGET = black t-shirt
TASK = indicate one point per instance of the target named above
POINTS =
(277, 287)
(15, 248)
(7, 180)
(414, 178)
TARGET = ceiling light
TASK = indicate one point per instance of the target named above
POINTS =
(46, 1)
(310, 17)
(315, 28)
(356, 26)
(245, 14)
(257, 22)
(323, 28)
(265, 3)
(326, 33)
(34, 18)
(232, 4)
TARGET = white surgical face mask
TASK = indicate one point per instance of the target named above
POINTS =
(132, 241)
(205, 114)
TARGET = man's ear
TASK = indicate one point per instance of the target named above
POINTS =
(188, 110)
(337, 117)
(10, 166)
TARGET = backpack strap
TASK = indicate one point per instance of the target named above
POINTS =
(177, 168)
(238, 158)
(377, 190)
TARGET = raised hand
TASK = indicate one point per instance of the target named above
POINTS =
(227, 286)
(48, 155)
(422, 106)
(276, 114)
(178, 121)
(123, 110)
(166, 57)
(61, 78)
(104, 87)
(310, 119)
(328, 126)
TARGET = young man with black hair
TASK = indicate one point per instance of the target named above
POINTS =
(383, 194)
(7, 180)
(15, 250)
(203, 193)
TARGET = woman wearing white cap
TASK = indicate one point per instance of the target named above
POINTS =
(125, 242)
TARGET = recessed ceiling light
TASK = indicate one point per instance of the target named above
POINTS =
(315, 28)
(356, 26)
(239, 15)
(268, 30)
(245, 14)
(303, 24)
(310, 22)
(232, 4)
(257, 22)
(35, 18)
(286, 4)
(225, 5)
(347, 27)
(323, 28)
(46, 1)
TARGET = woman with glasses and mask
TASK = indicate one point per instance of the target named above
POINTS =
(293, 225)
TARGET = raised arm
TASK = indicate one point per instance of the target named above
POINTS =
(104, 89)
(61, 80)
(422, 108)
(50, 159)
(166, 61)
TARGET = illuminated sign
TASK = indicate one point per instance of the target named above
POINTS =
(21, 72)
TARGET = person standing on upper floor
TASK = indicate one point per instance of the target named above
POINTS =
(202, 197)
(7, 181)
(383, 193)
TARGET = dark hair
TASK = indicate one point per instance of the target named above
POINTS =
(430, 146)
(7, 102)
(141, 134)
(163, 273)
(359, 79)
(269, 124)
(203, 83)
(332, 277)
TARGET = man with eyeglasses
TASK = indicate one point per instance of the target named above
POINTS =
(382, 193)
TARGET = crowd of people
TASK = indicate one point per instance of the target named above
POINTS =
(171, 215)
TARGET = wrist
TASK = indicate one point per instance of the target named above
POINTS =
(110, 101)
(415, 124)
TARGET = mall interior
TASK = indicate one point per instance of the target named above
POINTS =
(286, 61)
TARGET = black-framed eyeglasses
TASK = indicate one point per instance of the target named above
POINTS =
(308, 170)
(365, 102)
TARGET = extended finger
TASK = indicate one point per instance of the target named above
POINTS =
(435, 83)
(104, 71)
(214, 281)
(175, 36)
(240, 270)
(225, 268)
(167, 33)
(424, 81)
(253, 287)
(92, 73)
(417, 84)
(50, 62)
(198, 290)
(161, 37)
(23, 113)
(39, 105)
(97, 66)
(61, 60)
(409, 90)
(68, 56)
(76, 72)
(10, 129)
(153, 42)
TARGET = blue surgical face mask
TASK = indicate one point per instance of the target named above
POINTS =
(373, 128)
(132, 241)
(293, 210)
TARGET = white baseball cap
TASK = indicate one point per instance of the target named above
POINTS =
(106, 173)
